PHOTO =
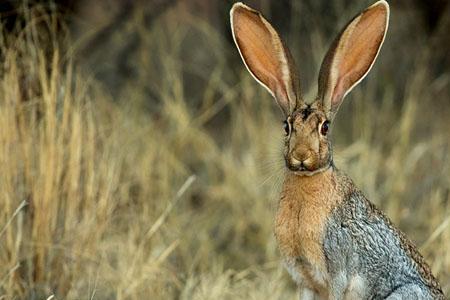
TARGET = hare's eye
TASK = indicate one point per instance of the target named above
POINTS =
(324, 128)
(287, 127)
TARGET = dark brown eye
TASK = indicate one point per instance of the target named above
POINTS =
(286, 127)
(324, 128)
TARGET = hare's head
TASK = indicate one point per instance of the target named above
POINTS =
(307, 123)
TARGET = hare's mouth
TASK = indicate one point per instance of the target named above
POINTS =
(299, 167)
(311, 172)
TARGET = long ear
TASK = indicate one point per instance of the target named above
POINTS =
(352, 55)
(265, 55)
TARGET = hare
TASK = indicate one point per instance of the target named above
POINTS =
(335, 243)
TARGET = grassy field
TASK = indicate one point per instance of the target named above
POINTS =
(166, 187)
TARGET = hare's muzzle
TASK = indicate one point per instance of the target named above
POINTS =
(300, 162)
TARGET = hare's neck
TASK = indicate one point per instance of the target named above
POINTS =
(321, 189)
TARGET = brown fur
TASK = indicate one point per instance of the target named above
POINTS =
(305, 142)
(304, 208)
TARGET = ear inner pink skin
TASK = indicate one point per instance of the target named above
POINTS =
(265, 56)
(352, 55)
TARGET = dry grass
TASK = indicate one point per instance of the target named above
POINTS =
(104, 198)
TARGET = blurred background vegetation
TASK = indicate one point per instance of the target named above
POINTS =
(139, 159)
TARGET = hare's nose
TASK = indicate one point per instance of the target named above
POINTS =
(300, 160)
(295, 161)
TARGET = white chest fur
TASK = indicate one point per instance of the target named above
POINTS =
(340, 287)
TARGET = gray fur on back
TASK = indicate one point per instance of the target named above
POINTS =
(361, 245)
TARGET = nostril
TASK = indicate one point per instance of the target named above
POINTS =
(307, 161)
(295, 161)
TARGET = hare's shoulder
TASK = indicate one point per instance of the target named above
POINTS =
(361, 239)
